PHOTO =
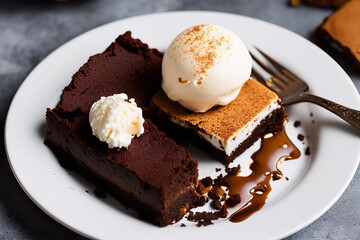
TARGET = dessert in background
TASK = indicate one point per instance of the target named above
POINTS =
(205, 66)
(152, 174)
(320, 3)
(341, 32)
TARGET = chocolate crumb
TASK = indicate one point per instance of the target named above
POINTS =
(190, 217)
(217, 169)
(307, 151)
(100, 193)
(219, 180)
(223, 197)
(313, 121)
(223, 212)
(87, 191)
(311, 114)
(207, 181)
(212, 194)
(233, 170)
(199, 187)
(201, 202)
(205, 218)
(202, 215)
(297, 124)
(301, 137)
(182, 225)
(216, 204)
(204, 222)
(287, 179)
(233, 200)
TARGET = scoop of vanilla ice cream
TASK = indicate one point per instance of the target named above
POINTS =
(204, 66)
(116, 120)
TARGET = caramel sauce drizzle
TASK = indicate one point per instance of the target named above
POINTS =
(255, 188)
(206, 190)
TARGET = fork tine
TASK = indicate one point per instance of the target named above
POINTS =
(270, 83)
(279, 79)
(277, 65)
(290, 75)
(266, 68)
(258, 76)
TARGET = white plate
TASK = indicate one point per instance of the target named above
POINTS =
(316, 182)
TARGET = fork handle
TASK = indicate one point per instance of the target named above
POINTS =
(351, 116)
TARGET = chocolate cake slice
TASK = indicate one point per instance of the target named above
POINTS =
(225, 131)
(154, 175)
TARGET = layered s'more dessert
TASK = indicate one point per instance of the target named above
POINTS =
(208, 94)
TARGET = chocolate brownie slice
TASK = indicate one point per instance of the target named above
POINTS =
(154, 175)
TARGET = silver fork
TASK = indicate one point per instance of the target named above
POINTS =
(292, 89)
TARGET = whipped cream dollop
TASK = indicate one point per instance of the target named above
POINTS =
(204, 66)
(116, 120)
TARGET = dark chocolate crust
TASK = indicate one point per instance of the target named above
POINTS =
(272, 123)
(154, 175)
(339, 33)
(329, 44)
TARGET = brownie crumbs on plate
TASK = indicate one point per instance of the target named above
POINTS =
(206, 218)
(217, 169)
(233, 200)
(207, 181)
(220, 200)
(223, 197)
(219, 180)
(201, 202)
(307, 151)
(216, 204)
(233, 170)
(182, 225)
(213, 193)
(199, 188)
(301, 137)
(297, 124)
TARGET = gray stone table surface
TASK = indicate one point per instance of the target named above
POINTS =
(30, 30)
